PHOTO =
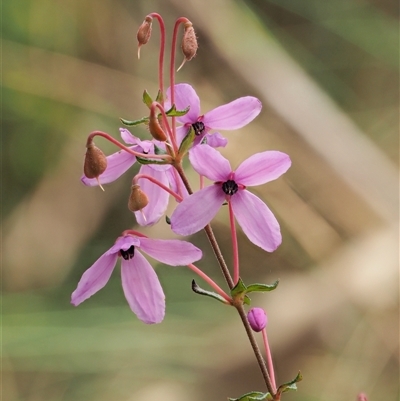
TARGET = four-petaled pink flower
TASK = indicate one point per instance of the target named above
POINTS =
(230, 116)
(140, 283)
(252, 214)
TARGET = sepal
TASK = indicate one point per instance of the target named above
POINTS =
(196, 288)
(253, 396)
(187, 141)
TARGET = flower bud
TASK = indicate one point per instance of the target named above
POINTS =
(189, 43)
(155, 128)
(144, 33)
(257, 319)
(95, 161)
(137, 199)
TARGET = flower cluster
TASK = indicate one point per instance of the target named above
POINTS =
(178, 130)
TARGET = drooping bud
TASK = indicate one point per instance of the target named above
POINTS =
(155, 128)
(257, 319)
(189, 43)
(144, 33)
(137, 199)
(95, 162)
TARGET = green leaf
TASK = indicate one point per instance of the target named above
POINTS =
(135, 122)
(290, 386)
(147, 100)
(238, 289)
(253, 396)
(160, 97)
(187, 141)
(173, 112)
(247, 300)
(262, 287)
(200, 291)
(143, 160)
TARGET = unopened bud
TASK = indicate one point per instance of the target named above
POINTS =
(144, 33)
(362, 397)
(189, 43)
(257, 319)
(95, 162)
(137, 199)
(155, 128)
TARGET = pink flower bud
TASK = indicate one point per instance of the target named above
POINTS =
(257, 319)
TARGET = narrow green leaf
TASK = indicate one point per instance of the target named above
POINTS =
(173, 112)
(160, 97)
(290, 386)
(253, 396)
(262, 287)
(135, 122)
(200, 291)
(143, 160)
(147, 100)
(247, 300)
(239, 288)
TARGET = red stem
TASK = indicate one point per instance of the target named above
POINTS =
(120, 145)
(177, 197)
(234, 245)
(162, 52)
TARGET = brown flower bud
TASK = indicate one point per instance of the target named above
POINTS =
(95, 162)
(155, 128)
(144, 33)
(137, 199)
(189, 43)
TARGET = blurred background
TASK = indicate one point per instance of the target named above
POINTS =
(327, 75)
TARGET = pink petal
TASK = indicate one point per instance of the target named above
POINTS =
(185, 96)
(209, 162)
(176, 183)
(158, 197)
(233, 115)
(216, 140)
(171, 252)
(197, 210)
(124, 243)
(117, 164)
(94, 278)
(256, 220)
(262, 167)
(142, 289)
(127, 137)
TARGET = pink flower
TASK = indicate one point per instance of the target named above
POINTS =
(252, 214)
(120, 162)
(230, 116)
(140, 283)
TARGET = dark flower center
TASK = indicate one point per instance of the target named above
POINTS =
(128, 254)
(198, 128)
(230, 187)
